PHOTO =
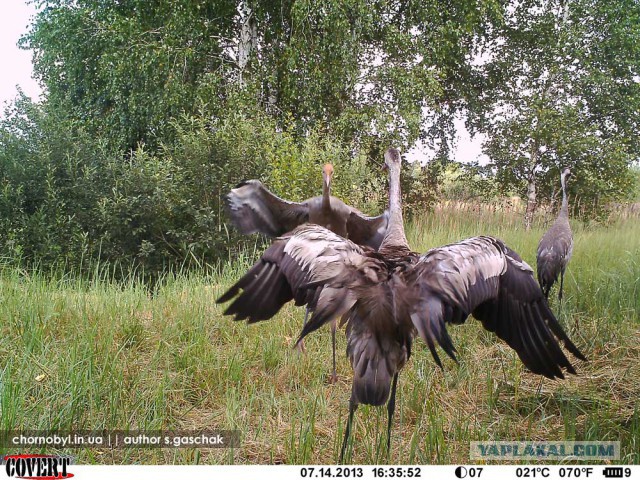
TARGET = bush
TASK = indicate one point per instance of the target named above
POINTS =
(67, 198)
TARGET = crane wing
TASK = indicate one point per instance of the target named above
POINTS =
(335, 278)
(252, 208)
(483, 277)
(365, 230)
(311, 265)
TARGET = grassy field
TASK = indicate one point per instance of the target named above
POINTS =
(91, 354)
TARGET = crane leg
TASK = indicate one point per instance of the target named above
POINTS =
(300, 347)
(391, 407)
(353, 406)
(561, 284)
(334, 377)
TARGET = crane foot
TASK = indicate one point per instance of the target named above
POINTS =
(333, 378)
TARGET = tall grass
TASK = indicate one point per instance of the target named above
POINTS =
(96, 354)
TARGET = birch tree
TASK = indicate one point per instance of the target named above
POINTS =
(562, 88)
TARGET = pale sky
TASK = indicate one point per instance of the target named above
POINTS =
(16, 63)
(467, 149)
(14, 21)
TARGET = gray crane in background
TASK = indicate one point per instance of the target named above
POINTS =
(556, 246)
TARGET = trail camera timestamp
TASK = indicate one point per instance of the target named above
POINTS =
(397, 472)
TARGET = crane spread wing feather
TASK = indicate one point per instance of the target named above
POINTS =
(335, 278)
(483, 277)
(252, 208)
(385, 297)
(311, 265)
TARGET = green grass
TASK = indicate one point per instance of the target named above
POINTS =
(93, 354)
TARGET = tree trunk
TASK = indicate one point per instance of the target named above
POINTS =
(531, 202)
(531, 188)
(248, 38)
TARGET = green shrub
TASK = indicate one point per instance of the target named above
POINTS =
(68, 199)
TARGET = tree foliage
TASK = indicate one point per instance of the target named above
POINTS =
(125, 69)
(562, 88)
(67, 198)
(155, 109)
(358, 69)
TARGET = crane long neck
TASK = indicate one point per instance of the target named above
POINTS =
(394, 237)
(326, 194)
(564, 210)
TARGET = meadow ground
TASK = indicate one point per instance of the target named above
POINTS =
(93, 354)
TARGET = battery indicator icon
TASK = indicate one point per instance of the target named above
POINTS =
(613, 472)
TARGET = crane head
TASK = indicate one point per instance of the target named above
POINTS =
(391, 158)
(327, 173)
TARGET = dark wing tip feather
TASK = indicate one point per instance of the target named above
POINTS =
(557, 330)
(521, 316)
(428, 320)
(538, 352)
(434, 354)
(317, 320)
(575, 352)
(262, 291)
(228, 295)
